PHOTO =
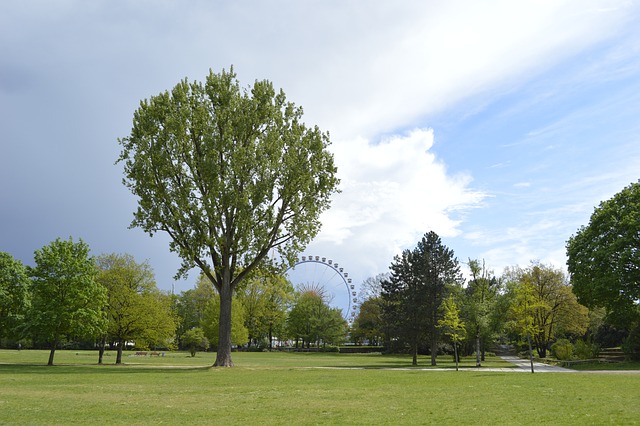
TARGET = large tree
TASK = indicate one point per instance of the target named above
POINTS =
(555, 309)
(604, 257)
(14, 294)
(229, 174)
(420, 281)
(67, 299)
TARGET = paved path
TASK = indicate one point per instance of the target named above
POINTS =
(525, 364)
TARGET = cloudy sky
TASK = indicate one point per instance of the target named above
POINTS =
(499, 125)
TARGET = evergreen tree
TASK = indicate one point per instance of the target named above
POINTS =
(420, 280)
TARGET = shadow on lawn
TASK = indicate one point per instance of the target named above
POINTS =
(95, 369)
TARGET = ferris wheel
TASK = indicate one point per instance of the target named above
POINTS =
(318, 272)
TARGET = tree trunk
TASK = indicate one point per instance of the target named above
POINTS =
(223, 356)
(478, 363)
(434, 349)
(103, 342)
(530, 352)
(119, 352)
(542, 351)
(270, 338)
(54, 345)
(455, 353)
(414, 361)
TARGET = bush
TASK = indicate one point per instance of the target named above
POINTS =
(562, 349)
(586, 350)
(609, 336)
(194, 339)
(631, 345)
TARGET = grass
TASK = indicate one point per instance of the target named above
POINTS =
(609, 366)
(243, 359)
(277, 388)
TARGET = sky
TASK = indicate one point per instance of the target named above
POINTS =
(499, 125)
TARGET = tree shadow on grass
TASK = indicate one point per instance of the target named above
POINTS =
(396, 361)
(96, 369)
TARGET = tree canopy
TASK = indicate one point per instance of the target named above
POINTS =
(229, 174)
(14, 294)
(604, 257)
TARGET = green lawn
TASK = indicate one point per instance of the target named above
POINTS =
(242, 359)
(621, 365)
(278, 388)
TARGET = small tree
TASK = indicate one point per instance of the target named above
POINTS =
(480, 301)
(195, 339)
(452, 325)
(136, 309)
(67, 299)
(522, 313)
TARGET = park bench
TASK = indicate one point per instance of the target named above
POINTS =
(141, 354)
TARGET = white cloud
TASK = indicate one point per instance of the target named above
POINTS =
(522, 185)
(393, 192)
(380, 74)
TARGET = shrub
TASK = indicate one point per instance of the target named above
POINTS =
(586, 350)
(562, 349)
(195, 339)
(631, 345)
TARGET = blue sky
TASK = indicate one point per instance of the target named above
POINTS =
(499, 125)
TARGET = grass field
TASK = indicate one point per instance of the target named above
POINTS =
(278, 388)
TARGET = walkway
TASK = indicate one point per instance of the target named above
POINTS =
(525, 365)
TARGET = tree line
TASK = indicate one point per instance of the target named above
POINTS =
(424, 305)
(71, 299)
